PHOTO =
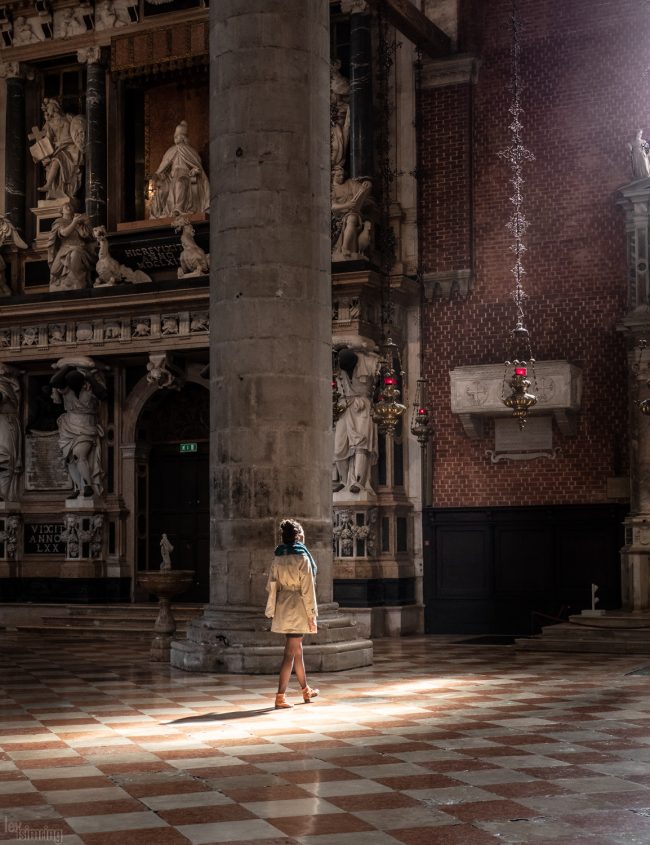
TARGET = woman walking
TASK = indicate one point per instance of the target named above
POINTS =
(292, 605)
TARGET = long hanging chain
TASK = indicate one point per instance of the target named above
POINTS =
(515, 155)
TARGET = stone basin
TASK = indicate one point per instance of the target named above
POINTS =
(165, 584)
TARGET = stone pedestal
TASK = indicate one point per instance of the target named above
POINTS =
(270, 331)
(83, 535)
(46, 212)
(165, 584)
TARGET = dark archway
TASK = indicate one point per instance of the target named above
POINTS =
(174, 496)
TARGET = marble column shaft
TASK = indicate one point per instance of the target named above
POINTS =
(361, 111)
(271, 441)
(15, 152)
(96, 140)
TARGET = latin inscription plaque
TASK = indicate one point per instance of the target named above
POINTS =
(44, 538)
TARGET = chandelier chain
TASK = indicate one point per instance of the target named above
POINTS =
(516, 154)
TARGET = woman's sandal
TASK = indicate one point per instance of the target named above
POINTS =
(308, 693)
(281, 702)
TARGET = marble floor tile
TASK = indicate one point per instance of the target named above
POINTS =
(453, 746)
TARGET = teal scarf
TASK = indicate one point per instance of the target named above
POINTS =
(297, 549)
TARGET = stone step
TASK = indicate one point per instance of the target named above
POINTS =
(117, 619)
(576, 646)
(90, 632)
(128, 610)
(326, 634)
(596, 632)
(615, 633)
(111, 623)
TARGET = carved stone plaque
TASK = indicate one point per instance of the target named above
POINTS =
(537, 435)
(44, 464)
(44, 538)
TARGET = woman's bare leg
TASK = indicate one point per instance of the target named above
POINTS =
(292, 659)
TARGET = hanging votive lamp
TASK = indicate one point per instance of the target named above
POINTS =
(421, 427)
(520, 399)
(388, 410)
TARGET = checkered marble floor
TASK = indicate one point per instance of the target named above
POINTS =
(438, 742)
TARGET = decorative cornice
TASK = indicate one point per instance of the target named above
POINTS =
(455, 70)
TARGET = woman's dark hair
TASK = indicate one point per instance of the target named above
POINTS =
(290, 529)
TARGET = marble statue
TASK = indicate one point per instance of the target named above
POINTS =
(355, 433)
(60, 147)
(70, 251)
(640, 156)
(23, 32)
(78, 384)
(351, 231)
(111, 15)
(339, 115)
(10, 433)
(8, 235)
(193, 260)
(180, 183)
(166, 550)
(594, 597)
(68, 23)
(109, 271)
(70, 535)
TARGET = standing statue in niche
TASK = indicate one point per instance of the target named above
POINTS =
(350, 231)
(79, 385)
(11, 464)
(339, 115)
(355, 434)
(71, 251)
(180, 183)
(60, 147)
(640, 156)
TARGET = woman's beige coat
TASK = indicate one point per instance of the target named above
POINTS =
(292, 582)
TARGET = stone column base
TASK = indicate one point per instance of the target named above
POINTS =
(393, 621)
(635, 578)
(241, 642)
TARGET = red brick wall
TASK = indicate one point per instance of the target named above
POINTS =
(584, 96)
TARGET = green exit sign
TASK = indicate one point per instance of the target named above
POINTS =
(188, 447)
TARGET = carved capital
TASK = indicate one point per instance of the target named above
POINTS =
(16, 70)
(90, 55)
(354, 7)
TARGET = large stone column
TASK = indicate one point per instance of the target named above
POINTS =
(270, 329)
(96, 137)
(635, 554)
(15, 144)
(361, 123)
